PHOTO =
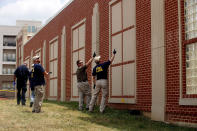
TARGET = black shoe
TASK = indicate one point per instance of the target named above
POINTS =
(23, 104)
(36, 111)
(31, 104)
(87, 109)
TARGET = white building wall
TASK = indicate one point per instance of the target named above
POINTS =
(14, 31)
(28, 23)
(6, 30)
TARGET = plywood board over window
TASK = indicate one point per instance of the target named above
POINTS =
(78, 53)
(123, 39)
(53, 63)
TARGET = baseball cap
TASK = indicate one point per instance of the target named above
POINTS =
(97, 58)
(36, 57)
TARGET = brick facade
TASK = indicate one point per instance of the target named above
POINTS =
(80, 9)
(176, 112)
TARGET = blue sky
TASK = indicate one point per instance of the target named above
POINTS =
(42, 10)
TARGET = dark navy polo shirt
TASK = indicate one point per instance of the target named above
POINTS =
(38, 75)
(101, 70)
(21, 74)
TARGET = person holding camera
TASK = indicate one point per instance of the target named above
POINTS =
(100, 73)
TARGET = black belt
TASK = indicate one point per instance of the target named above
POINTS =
(102, 79)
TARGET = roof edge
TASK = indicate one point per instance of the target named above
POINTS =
(51, 18)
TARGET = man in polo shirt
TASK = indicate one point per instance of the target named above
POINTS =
(21, 76)
(100, 73)
(38, 80)
(82, 82)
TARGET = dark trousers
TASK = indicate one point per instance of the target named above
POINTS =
(21, 90)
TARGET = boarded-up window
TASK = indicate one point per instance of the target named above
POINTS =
(78, 53)
(53, 67)
(123, 39)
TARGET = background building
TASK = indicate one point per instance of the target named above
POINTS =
(29, 28)
(8, 36)
(154, 70)
(7, 58)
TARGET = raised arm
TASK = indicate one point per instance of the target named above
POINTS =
(90, 60)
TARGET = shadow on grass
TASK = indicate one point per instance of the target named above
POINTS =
(121, 119)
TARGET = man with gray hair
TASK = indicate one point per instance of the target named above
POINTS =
(38, 81)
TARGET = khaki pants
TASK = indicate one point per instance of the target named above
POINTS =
(39, 96)
(84, 90)
(103, 85)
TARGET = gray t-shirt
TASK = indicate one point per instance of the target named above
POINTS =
(82, 74)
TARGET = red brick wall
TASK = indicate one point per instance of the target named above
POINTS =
(80, 9)
(143, 58)
(175, 112)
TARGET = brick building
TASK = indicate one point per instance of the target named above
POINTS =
(154, 69)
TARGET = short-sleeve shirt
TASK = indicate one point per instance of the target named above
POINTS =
(82, 74)
(101, 70)
(38, 75)
(21, 74)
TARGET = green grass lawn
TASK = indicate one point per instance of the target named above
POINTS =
(64, 116)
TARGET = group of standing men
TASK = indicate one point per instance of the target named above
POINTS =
(37, 82)
(100, 76)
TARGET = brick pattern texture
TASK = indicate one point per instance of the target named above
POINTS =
(80, 9)
(175, 112)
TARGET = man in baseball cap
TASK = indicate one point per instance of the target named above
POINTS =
(35, 57)
(38, 81)
(100, 73)
(97, 59)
